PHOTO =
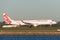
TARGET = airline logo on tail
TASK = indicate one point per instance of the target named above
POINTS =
(6, 18)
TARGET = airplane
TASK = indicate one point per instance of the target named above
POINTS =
(35, 23)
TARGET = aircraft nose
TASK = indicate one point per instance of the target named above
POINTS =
(54, 22)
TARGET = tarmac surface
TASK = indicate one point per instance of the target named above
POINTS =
(30, 32)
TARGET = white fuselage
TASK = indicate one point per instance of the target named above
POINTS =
(35, 22)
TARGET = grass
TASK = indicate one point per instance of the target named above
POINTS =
(26, 28)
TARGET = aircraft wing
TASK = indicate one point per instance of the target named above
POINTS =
(26, 22)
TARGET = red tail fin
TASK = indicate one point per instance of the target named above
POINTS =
(6, 18)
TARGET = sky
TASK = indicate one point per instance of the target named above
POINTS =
(30, 9)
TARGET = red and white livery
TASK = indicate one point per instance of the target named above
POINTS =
(35, 23)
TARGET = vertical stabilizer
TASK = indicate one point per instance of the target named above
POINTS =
(7, 18)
